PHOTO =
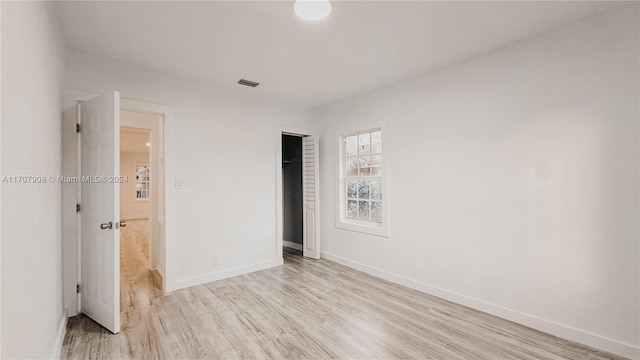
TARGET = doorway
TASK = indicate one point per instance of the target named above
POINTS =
(91, 200)
(141, 206)
(297, 160)
(292, 200)
(138, 281)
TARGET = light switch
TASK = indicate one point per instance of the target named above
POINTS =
(178, 183)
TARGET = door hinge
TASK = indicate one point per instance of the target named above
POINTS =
(77, 128)
(78, 288)
(77, 208)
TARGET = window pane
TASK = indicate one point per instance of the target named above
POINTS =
(363, 210)
(375, 189)
(362, 159)
(363, 189)
(352, 145)
(352, 189)
(376, 211)
(365, 165)
(376, 160)
(142, 181)
(376, 165)
(363, 144)
(376, 142)
(352, 166)
(352, 209)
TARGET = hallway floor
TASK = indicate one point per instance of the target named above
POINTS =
(310, 309)
(137, 288)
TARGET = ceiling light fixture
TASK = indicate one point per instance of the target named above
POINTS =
(312, 10)
(148, 144)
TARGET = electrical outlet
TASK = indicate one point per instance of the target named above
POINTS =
(214, 260)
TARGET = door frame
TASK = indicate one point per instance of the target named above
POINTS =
(71, 238)
(166, 115)
(294, 131)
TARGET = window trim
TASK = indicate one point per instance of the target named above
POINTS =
(342, 222)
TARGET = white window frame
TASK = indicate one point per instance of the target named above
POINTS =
(135, 183)
(342, 222)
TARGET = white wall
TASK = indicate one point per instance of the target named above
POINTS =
(135, 154)
(32, 59)
(223, 146)
(513, 182)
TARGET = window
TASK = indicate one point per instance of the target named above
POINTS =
(142, 182)
(362, 181)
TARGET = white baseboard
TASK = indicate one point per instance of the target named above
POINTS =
(292, 245)
(56, 352)
(544, 325)
(219, 275)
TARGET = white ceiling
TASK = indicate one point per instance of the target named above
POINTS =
(361, 46)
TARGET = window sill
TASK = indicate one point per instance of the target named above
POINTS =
(361, 228)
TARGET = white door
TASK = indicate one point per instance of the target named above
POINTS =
(100, 210)
(310, 186)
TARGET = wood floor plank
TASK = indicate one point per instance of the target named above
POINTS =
(305, 309)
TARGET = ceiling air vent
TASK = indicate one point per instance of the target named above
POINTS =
(248, 83)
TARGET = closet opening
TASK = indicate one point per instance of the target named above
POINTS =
(292, 195)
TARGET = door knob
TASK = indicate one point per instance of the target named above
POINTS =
(121, 224)
(105, 226)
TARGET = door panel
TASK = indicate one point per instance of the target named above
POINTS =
(100, 243)
(310, 186)
(310, 228)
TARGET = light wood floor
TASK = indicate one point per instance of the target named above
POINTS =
(137, 286)
(304, 309)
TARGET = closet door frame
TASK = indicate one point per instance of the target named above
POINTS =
(301, 132)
